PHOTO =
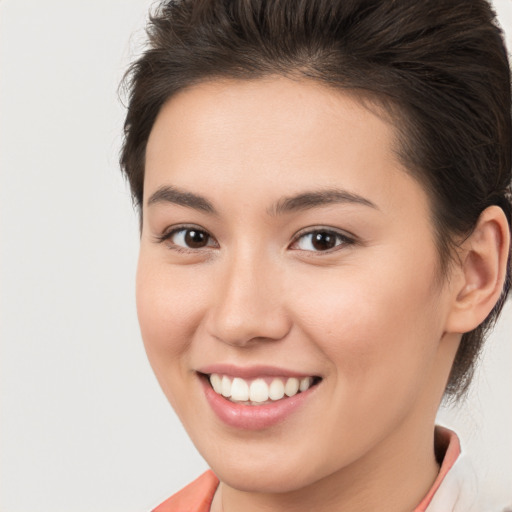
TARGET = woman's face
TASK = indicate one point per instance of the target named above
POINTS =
(284, 245)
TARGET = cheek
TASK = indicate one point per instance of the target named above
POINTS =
(378, 324)
(381, 343)
(168, 308)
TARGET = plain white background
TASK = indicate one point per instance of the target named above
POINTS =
(84, 426)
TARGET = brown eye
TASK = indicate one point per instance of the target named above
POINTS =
(189, 238)
(195, 239)
(321, 241)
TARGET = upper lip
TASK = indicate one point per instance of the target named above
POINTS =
(252, 372)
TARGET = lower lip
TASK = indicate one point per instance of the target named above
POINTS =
(254, 417)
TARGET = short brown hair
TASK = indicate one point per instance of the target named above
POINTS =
(440, 64)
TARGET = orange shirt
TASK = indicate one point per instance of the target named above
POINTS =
(198, 495)
(195, 497)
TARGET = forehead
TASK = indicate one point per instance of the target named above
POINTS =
(271, 134)
(265, 107)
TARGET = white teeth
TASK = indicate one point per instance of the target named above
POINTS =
(239, 390)
(305, 383)
(226, 387)
(216, 383)
(291, 387)
(276, 390)
(258, 391)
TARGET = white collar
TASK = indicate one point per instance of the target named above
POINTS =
(458, 491)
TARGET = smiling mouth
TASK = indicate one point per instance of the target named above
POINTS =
(259, 391)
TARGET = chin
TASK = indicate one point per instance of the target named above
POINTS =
(261, 478)
(263, 469)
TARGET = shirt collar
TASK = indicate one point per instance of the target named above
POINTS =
(455, 489)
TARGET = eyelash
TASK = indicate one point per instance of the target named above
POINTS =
(344, 239)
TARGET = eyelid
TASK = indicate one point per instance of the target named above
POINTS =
(347, 239)
(171, 230)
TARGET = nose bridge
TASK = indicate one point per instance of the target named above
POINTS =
(248, 304)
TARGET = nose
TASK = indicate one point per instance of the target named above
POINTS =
(248, 303)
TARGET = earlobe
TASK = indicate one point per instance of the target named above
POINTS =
(484, 259)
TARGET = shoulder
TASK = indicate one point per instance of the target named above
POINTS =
(195, 497)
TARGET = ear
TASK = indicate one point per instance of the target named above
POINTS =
(479, 280)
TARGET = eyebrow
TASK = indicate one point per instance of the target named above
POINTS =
(314, 199)
(302, 201)
(170, 194)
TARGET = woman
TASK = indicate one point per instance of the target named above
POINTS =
(324, 194)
